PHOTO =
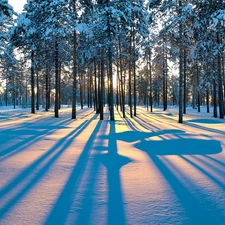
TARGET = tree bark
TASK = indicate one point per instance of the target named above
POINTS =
(185, 82)
(56, 79)
(60, 71)
(32, 83)
(130, 78)
(102, 73)
(207, 99)
(38, 92)
(134, 71)
(164, 78)
(150, 81)
(180, 119)
(96, 91)
(112, 118)
(121, 82)
(74, 97)
(198, 87)
(220, 82)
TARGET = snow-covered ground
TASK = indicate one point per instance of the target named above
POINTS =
(146, 170)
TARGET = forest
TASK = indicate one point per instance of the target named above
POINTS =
(98, 52)
(112, 112)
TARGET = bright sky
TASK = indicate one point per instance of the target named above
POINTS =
(17, 5)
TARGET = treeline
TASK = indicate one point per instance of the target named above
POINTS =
(154, 53)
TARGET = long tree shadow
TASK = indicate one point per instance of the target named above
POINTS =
(44, 162)
(204, 128)
(31, 132)
(207, 174)
(92, 179)
(145, 123)
(195, 207)
(113, 163)
(61, 209)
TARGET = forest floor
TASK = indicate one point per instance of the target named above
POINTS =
(145, 170)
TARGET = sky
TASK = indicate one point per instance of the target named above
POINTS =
(17, 4)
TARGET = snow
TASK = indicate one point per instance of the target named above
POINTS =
(146, 170)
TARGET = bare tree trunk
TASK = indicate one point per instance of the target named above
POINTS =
(214, 92)
(223, 76)
(32, 83)
(49, 87)
(56, 79)
(38, 92)
(108, 89)
(81, 91)
(220, 83)
(198, 91)
(150, 81)
(60, 70)
(14, 93)
(26, 94)
(180, 120)
(134, 71)
(47, 90)
(207, 99)
(96, 91)
(130, 78)
(101, 103)
(90, 89)
(121, 82)
(112, 118)
(214, 99)
(185, 81)
(6, 92)
(74, 93)
(117, 86)
(164, 78)
(74, 97)
(99, 87)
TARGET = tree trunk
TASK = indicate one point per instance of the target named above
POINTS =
(32, 83)
(121, 82)
(223, 75)
(26, 94)
(150, 81)
(180, 120)
(117, 86)
(185, 82)
(99, 87)
(164, 78)
(74, 97)
(38, 92)
(134, 71)
(96, 91)
(6, 93)
(14, 93)
(60, 70)
(49, 87)
(112, 118)
(220, 83)
(101, 103)
(198, 87)
(207, 99)
(90, 89)
(74, 94)
(56, 79)
(214, 93)
(46, 91)
(81, 91)
(130, 78)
